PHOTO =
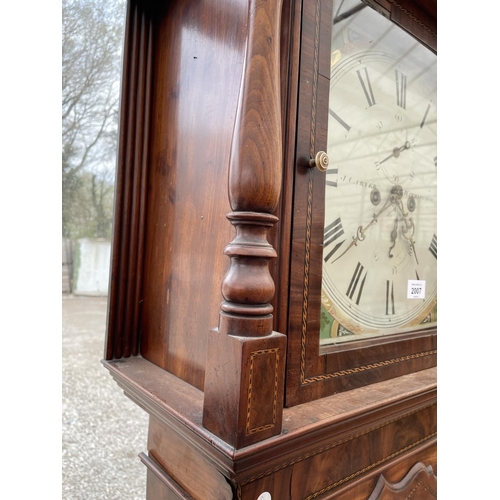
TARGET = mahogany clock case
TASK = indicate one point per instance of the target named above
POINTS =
(185, 65)
(180, 94)
(171, 197)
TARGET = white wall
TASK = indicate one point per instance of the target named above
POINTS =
(91, 267)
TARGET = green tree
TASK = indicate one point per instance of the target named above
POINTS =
(92, 32)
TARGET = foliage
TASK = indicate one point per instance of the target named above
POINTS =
(92, 32)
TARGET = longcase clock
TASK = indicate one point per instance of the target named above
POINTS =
(273, 300)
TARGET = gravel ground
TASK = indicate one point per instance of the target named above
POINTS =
(102, 430)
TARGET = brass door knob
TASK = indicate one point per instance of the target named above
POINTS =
(321, 161)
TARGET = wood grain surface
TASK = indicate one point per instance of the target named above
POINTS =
(198, 59)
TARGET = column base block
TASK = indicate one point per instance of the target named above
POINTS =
(244, 387)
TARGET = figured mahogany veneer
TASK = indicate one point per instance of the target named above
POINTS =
(338, 442)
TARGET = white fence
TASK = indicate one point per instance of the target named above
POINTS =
(90, 262)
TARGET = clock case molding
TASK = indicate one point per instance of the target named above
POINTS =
(223, 104)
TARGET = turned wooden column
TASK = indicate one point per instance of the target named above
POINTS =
(244, 379)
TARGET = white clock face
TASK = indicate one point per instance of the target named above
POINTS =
(381, 196)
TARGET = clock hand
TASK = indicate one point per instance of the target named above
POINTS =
(396, 152)
(394, 235)
(360, 236)
(408, 226)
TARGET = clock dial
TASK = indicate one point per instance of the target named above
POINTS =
(381, 196)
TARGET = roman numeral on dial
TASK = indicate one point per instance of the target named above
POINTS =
(339, 120)
(425, 116)
(332, 173)
(355, 281)
(389, 298)
(401, 89)
(364, 79)
(433, 248)
(333, 231)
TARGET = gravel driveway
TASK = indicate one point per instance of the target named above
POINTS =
(102, 430)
